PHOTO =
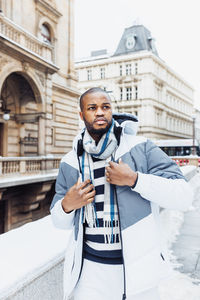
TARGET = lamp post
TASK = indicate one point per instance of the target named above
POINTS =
(6, 112)
(6, 115)
(193, 134)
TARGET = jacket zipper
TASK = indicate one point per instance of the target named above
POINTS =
(120, 231)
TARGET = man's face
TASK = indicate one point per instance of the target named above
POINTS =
(96, 114)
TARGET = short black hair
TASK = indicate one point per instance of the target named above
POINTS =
(92, 91)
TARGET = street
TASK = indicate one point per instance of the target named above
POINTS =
(185, 252)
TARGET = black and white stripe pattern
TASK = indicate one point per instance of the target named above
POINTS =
(97, 240)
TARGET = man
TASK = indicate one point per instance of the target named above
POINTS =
(109, 190)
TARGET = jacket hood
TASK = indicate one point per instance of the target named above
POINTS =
(128, 122)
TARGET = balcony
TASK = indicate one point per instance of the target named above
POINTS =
(21, 40)
(27, 165)
(26, 189)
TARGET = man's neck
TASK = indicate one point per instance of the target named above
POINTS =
(96, 137)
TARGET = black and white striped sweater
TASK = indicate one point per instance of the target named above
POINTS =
(97, 240)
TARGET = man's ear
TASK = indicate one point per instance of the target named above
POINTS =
(81, 115)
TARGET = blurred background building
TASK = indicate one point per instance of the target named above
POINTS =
(38, 103)
(141, 83)
(196, 120)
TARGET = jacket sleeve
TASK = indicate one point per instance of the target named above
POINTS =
(60, 218)
(164, 182)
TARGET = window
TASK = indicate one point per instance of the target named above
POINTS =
(120, 70)
(102, 73)
(121, 93)
(128, 69)
(136, 92)
(45, 33)
(136, 68)
(128, 93)
(158, 119)
(89, 74)
(158, 93)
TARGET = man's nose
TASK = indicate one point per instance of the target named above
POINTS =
(99, 111)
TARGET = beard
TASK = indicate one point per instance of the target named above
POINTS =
(98, 132)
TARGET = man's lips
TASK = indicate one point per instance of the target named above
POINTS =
(100, 121)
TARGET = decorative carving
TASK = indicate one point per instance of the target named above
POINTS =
(25, 66)
(29, 117)
(48, 8)
(28, 140)
(41, 77)
(3, 61)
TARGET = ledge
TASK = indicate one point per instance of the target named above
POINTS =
(29, 252)
(8, 181)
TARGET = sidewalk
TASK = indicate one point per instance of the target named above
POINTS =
(185, 253)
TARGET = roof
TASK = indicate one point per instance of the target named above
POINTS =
(141, 39)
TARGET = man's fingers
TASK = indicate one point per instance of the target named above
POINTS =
(107, 173)
(86, 190)
(112, 164)
(79, 181)
(83, 184)
(108, 169)
(90, 200)
(90, 195)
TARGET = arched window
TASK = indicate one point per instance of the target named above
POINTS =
(45, 33)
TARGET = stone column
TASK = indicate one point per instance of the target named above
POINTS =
(5, 139)
(22, 135)
(41, 136)
(71, 70)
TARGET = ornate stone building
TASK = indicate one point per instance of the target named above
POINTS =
(37, 78)
(141, 83)
(38, 104)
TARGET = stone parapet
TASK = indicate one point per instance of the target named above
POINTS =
(34, 266)
(27, 165)
(24, 39)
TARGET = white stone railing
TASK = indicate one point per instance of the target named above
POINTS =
(16, 34)
(28, 165)
(32, 268)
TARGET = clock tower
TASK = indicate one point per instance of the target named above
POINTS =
(136, 38)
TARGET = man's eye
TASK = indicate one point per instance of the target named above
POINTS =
(106, 107)
(91, 108)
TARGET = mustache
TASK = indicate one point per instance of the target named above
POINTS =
(100, 119)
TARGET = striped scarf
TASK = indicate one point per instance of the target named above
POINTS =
(103, 150)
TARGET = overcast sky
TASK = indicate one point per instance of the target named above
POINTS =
(175, 25)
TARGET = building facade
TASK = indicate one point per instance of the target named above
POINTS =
(196, 124)
(38, 104)
(141, 83)
(37, 78)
